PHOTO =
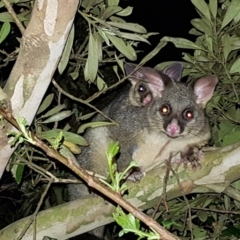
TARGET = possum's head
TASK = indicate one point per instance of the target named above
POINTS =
(173, 107)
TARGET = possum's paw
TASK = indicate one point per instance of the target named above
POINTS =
(193, 157)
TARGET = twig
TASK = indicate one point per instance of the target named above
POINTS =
(14, 16)
(80, 100)
(163, 196)
(33, 218)
(94, 183)
(185, 199)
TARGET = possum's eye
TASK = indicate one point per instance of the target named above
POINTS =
(188, 114)
(165, 109)
(142, 88)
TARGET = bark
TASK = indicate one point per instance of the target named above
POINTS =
(220, 168)
(40, 51)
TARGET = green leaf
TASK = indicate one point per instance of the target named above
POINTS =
(17, 172)
(5, 30)
(66, 52)
(83, 127)
(181, 43)
(6, 17)
(68, 154)
(133, 37)
(203, 216)
(209, 42)
(232, 11)
(125, 12)
(154, 52)
(227, 45)
(124, 47)
(87, 116)
(187, 57)
(200, 25)
(109, 11)
(202, 6)
(53, 111)
(193, 31)
(161, 66)
(46, 103)
(101, 84)
(58, 117)
(68, 136)
(112, 2)
(91, 67)
(213, 5)
(235, 68)
(134, 27)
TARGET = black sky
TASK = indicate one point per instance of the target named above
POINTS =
(169, 18)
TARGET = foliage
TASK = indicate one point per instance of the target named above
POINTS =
(116, 177)
(216, 52)
(131, 224)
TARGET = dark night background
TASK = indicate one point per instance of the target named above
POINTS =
(169, 18)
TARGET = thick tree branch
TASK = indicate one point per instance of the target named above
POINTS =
(220, 168)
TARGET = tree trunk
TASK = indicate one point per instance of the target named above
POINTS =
(41, 48)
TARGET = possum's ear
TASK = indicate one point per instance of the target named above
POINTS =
(204, 88)
(146, 74)
(174, 71)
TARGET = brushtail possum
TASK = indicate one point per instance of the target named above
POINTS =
(158, 116)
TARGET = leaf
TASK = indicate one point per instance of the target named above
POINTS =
(203, 216)
(181, 43)
(46, 103)
(134, 37)
(193, 31)
(109, 11)
(232, 11)
(58, 117)
(134, 27)
(53, 111)
(87, 116)
(101, 84)
(66, 52)
(5, 30)
(83, 127)
(68, 136)
(66, 152)
(74, 148)
(17, 172)
(6, 17)
(187, 57)
(227, 45)
(124, 47)
(200, 25)
(202, 6)
(112, 2)
(125, 12)
(213, 5)
(161, 66)
(91, 67)
(154, 52)
(209, 42)
(235, 68)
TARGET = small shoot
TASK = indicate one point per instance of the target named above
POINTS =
(23, 135)
(116, 177)
(130, 224)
